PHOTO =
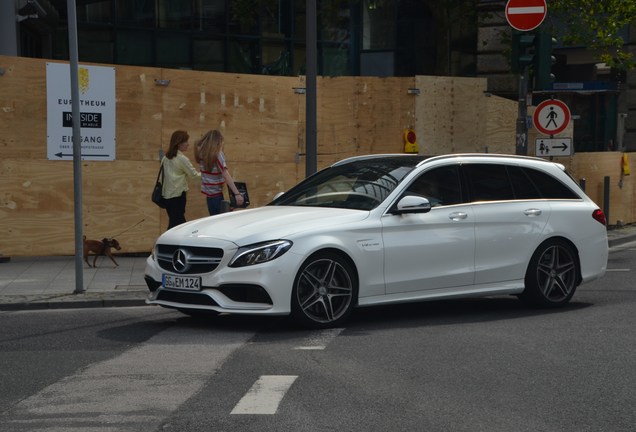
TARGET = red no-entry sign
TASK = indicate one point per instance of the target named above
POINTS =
(525, 15)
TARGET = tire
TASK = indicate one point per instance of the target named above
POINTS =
(552, 275)
(325, 291)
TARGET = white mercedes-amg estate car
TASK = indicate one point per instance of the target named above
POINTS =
(382, 229)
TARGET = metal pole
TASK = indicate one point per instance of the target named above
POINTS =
(311, 40)
(522, 114)
(77, 145)
(8, 29)
(606, 198)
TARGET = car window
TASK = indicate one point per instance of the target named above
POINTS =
(488, 182)
(549, 186)
(441, 186)
(523, 187)
(359, 184)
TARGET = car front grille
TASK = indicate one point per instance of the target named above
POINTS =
(186, 298)
(188, 259)
(246, 293)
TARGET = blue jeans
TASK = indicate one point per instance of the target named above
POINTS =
(214, 204)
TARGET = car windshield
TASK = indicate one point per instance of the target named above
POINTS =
(361, 184)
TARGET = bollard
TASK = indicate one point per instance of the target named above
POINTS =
(606, 198)
(582, 183)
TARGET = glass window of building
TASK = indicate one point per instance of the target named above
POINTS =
(209, 15)
(173, 50)
(378, 25)
(243, 17)
(96, 45)
(174, 14)
(99, 11)
(208, 55)
(134, 47)
(243, 56)
(140, 13)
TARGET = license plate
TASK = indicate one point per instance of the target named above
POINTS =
(192, 283)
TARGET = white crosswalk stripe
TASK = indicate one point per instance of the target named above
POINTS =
(265, 395)
(133, 391)
(319, 340)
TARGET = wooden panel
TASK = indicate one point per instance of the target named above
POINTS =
(469, 115)
(263, 121)
(434, 115)
(23, 108)
(499, 130)
(139, 113)
(594, 167)
(452, 114)
(239, 106)
(37, 211)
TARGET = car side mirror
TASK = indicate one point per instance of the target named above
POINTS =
(412, 204)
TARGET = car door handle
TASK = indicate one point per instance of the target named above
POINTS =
(457, 216)
(532, 212)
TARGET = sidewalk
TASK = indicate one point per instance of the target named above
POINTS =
(28, 283)
(49, 282)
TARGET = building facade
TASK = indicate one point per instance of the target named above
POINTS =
(602, 100)
(355, 38)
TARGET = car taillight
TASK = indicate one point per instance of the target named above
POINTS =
(599, 216)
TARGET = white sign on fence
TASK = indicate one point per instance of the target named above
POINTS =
(97, 112)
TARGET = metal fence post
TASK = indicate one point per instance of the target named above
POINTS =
(606, 198)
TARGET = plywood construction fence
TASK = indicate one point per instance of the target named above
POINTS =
(262, 119)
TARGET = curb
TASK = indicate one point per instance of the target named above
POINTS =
(46, 302)
(37, 305)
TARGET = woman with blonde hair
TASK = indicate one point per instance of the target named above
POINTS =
(177, 169)
(208, 152)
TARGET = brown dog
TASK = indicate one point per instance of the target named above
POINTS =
(100, 248)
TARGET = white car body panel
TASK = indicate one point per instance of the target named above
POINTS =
(506, 235)
(429, 251)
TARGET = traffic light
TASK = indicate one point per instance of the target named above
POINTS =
(523, 50)
(543, 61)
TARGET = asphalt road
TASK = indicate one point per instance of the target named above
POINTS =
(470, 365)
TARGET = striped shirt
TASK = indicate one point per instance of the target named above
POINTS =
(212, 181)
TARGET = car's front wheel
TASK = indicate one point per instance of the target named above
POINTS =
(325, 290)
(552, 275)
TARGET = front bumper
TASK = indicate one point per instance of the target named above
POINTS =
(263, 289)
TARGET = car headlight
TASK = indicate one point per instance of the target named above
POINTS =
(259, 253)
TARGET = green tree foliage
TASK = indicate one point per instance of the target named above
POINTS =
(596, 24)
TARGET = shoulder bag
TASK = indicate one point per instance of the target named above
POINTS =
(157, 196)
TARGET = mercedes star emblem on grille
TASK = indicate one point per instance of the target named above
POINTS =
(180, 261)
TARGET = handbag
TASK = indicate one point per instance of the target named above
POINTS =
(157, 192)
(242, 188)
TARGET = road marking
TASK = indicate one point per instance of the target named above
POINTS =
(136, 390)
(618, 270)
(265, 395)
(320, 340)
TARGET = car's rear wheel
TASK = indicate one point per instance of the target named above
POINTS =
(552, 275)
(325, 291)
